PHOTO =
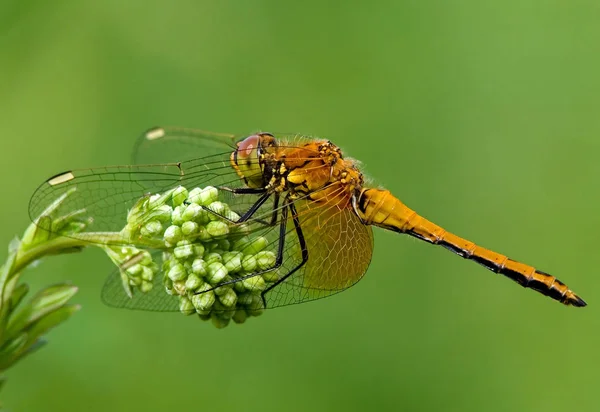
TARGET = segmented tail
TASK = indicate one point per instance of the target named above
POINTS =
(381, 208)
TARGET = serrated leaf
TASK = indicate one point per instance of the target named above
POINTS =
(42, 303)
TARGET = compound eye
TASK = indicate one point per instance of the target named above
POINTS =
(248, 147)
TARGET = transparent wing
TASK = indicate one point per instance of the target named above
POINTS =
(337, 247)
(107, 194)
(157, 299)
(176, 144)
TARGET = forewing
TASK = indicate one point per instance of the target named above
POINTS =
(106, 194)
(176, 144)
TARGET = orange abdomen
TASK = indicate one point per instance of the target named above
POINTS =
(381, 208)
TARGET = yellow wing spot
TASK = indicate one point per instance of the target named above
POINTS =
(155, 133)
(61, 178)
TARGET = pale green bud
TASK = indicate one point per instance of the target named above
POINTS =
(146, 258)
(213, 257)
(199, 267)
(249, 263)
(216, 273)
(191, 212)
(168, 285)
(231, 215)
(177, 215)
(189, 228)
(179, 287)
(162, 213)
(224, 244)
(233, 261)
(203, 234)
(146, 286)
(179, 195)
(271, 276)
(240, 316)
(255, 283)
(193, 282)
(186, 306)
(173, 234)
(265, 259)
(203, 301)
(147, 273)
(217, 228)
(218, 208)
(255, 245)
(204, 196)
(239, 286)
(245, 298)
(177, 272)
(151, 229)
(184, 251)
(198, 249)
(240, 244)
(135, 270)
(229, 298)
(219, 322)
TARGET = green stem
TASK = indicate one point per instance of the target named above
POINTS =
(81, 240)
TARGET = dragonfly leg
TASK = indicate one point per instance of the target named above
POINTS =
(244, 190)
(247, 215)
(278, 259)
(274, 214)
(303, 248)
(250, 212)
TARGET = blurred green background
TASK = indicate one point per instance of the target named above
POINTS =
(483, 116)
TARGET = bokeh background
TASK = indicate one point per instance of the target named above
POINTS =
(483, 116)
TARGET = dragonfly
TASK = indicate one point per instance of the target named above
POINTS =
(302, 192)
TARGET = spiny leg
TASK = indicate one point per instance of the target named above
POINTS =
(254, 208)
(303, 248)
(278, 259)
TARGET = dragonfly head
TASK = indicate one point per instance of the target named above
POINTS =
(248, 159)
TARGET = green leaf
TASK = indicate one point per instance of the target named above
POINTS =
(10, 350)
(30, 340)
(17, 296)
(14, 245)
(42, 303)
(5, 292)
(37, 232)
(50, 320)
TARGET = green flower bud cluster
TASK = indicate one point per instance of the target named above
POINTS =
(208, 261)
(136, 266)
